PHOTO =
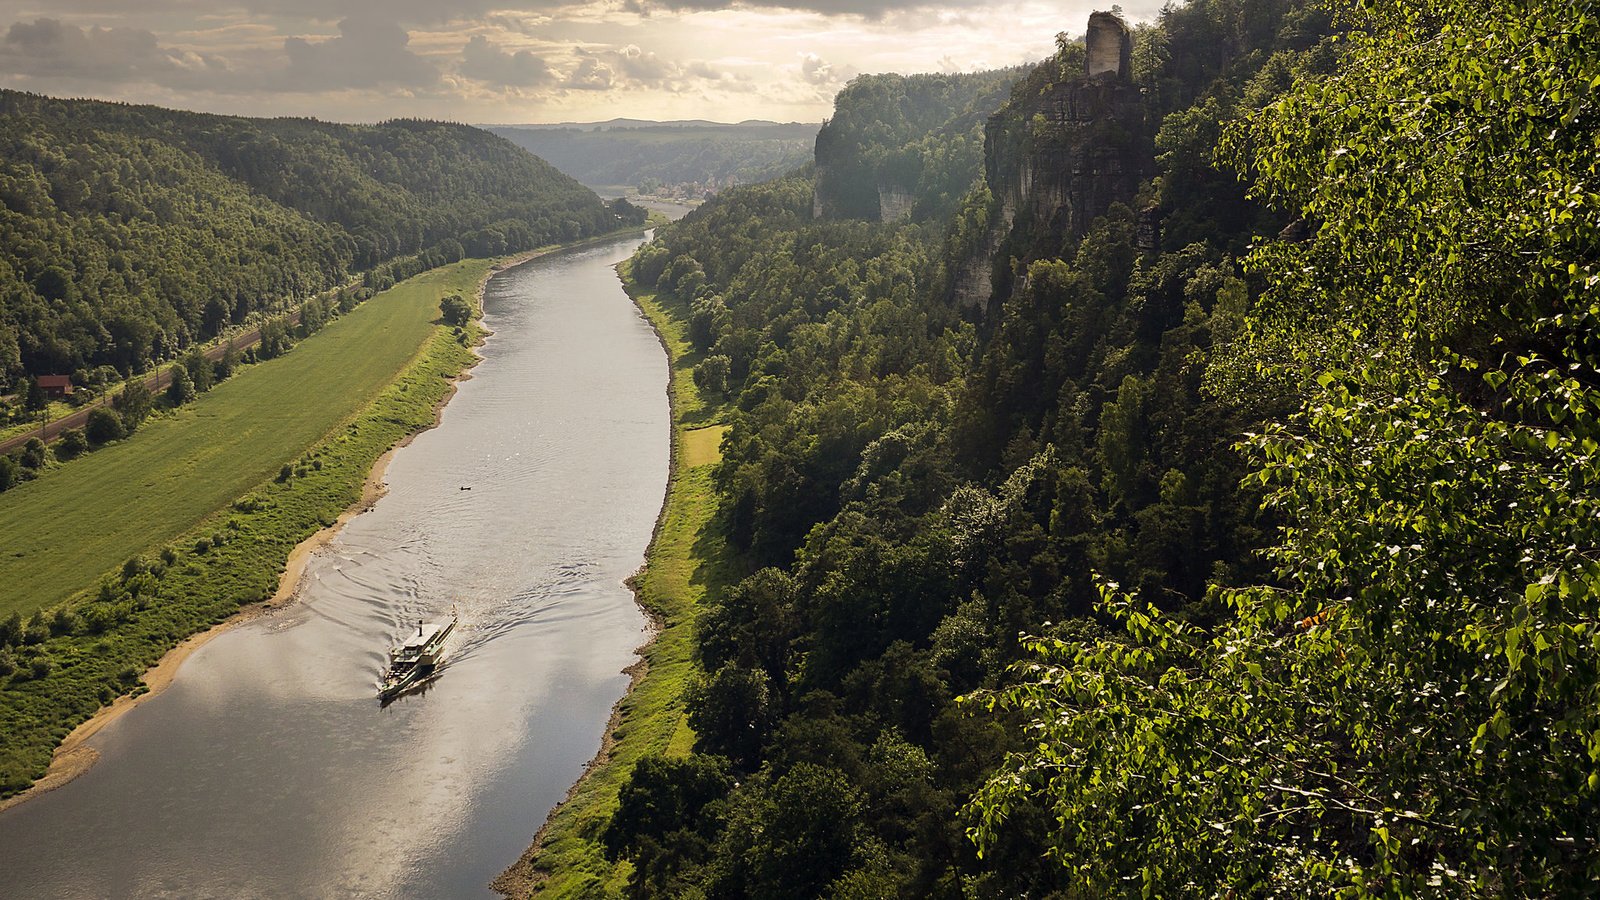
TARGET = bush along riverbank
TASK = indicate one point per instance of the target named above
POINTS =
(686, 560)
(58, 668)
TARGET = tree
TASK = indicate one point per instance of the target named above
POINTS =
(202, 374)
(133, 405)
(455, 310)
(34, 399)
(180, 389)
(1404, 711)
(73, 444)
(10, 472)
(103, 427)
(731, 712)
(33, 454)
(664, 795)
(711, 374)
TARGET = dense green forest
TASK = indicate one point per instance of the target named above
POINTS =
(651, 155)
(128, 233)
(920, 136)
(1203, 507)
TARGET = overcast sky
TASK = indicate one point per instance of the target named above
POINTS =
(511, 61)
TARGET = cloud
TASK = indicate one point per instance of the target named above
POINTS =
(51, 49)
(483, 61)
(816, 70)
(368, 53)
(866, 9)
(590, 75)
(637, 69)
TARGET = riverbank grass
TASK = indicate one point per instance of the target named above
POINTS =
(687, 558)
(379, 375)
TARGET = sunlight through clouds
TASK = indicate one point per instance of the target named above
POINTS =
(510, 60)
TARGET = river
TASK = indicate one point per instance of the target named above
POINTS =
(269, 769)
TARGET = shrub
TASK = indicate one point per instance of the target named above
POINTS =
(65, 621)
(73, 444)
(181, 389)
(33, 456)
(103, 427)
(455, 310)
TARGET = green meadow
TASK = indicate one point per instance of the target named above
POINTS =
(61, 532)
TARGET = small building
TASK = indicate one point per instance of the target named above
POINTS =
(56, 387)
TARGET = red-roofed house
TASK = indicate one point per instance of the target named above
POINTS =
(56, 387)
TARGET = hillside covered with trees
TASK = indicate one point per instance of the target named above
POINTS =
(1202, 506)
(650, 156)
(128, 233)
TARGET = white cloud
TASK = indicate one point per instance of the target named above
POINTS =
(815, 70)
(483, 61)
(590, 75)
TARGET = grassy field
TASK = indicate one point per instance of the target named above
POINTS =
(61, 532)
(687, 559)
(172, 572)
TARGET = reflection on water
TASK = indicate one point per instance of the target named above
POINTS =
(269, 769)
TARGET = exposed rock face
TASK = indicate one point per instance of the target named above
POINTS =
(1147, 239)
(1060, 160)
(894, 203)
(972, 287)
(1065, 157)
(1110, 46)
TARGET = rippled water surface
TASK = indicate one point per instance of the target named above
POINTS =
(269, 769)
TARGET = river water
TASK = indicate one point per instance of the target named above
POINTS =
(269, 769)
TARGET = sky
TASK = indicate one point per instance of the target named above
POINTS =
(512, 61)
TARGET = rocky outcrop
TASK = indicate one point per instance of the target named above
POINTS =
(1057, 161)
(1109, 45)
(894, 203)
(1064, 158)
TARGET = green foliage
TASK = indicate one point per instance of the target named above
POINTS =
(455, 311)
(663, 796)
(178, 469)
(180, 387)
(711, 375)
(33, 395)
(103, 427)
(921, 135)
(133, 405)
(1406, 710)
(130, 232)
(73, 444)
(33, 454)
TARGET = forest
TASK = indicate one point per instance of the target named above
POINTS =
(1198, 501)
(648, 156)
(130, 233)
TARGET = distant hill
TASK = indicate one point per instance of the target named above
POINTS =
(130, 232)
(684, 157)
